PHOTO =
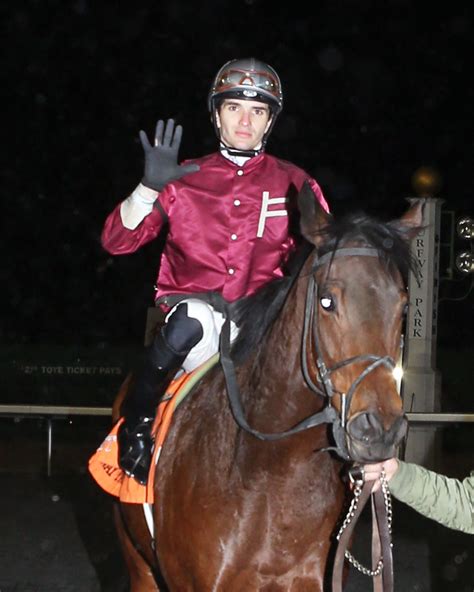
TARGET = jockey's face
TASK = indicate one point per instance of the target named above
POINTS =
(242, 124)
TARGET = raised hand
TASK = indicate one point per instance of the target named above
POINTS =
(161, 159)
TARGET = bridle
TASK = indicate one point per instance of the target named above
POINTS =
(323, 385)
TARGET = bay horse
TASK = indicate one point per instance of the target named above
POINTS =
(239, 508)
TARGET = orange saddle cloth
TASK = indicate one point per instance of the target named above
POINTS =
(103, 464)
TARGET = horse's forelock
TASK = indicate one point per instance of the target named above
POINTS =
(388, 239)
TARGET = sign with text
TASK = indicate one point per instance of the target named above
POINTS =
(420, 297)
(423, 291)
(57, 375)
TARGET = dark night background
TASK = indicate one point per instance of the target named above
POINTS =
(373, 91)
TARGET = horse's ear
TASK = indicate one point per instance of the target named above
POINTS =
(411, 223)
(313, 217)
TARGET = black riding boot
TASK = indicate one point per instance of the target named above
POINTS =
(162, 361)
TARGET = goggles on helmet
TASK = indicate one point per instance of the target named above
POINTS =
(250, 84)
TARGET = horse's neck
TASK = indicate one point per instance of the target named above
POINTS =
(276, 386)
(276, 398)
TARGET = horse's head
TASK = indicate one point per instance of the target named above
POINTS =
(357, 300)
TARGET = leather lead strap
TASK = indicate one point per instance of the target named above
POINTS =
(376, 547)
(381, 542)
(345, 538)
(385, 538)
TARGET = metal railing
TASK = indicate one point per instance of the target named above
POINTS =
(51, 412)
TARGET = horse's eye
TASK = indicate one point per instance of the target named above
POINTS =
(327, 302)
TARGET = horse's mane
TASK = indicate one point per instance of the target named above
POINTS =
(255, 314)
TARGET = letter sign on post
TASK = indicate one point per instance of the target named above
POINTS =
(421, 383)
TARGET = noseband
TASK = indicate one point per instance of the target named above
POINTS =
(323, 385)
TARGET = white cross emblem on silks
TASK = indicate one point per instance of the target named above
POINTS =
(265, 213)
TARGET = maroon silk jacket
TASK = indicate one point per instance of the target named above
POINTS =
(228, 226)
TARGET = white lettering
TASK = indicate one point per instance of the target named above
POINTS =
(52, 370)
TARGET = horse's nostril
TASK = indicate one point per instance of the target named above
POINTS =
(365, 427)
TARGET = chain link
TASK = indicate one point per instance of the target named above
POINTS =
(350, 515)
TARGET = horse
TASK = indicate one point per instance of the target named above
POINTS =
(249, 490)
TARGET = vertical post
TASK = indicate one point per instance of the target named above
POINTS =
(421, 384)
(50, 446)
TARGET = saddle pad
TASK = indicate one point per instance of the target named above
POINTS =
(103, 464)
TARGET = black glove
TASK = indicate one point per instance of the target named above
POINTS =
(161, 160)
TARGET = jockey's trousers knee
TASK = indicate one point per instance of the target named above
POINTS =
(161, 361)
(176, 338)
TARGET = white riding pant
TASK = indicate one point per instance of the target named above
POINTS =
(211, 321)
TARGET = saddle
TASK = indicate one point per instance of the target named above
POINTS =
(103, 464)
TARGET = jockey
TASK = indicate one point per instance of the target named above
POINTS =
(227, 233)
